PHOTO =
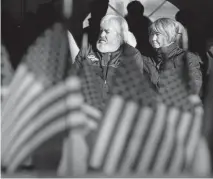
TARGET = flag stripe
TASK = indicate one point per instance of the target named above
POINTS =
(32, 92)
(44, 118)
(150, 146)
(147, 132)
(174, 142)
(22, 122)
(61, 125)
(8, 131)
(51, 112)
(92, 125)
(181, 133)
(136, 140)
(159, 142)
(167, 143)
(74, 100)
(28, 113)
(120, 137)
(195, 133)
(22, 84)
(91, 112)
(17, 80)
(36, 107)
(43, 135)
(36, 124)
(12, 101)
(129, 137)
(190, 127)
(103, 139)
(8, 116)
(114, 131)
(172, 152)
(4, 92)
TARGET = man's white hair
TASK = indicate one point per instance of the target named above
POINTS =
(122, 24)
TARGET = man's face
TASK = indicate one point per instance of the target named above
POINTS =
(109, 39)
(158, 40)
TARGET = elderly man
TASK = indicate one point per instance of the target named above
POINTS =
(112, 47)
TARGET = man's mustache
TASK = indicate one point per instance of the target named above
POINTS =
(102, 39)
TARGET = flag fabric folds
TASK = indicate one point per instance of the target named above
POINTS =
(145, 132)
(138, 131)
(43, 100)
(7, 72)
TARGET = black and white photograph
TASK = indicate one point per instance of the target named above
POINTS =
(106, 88)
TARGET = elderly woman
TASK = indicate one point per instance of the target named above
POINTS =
(165, 36)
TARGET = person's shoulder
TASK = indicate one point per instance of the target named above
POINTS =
(193, 57)
(129, 50)
(146, 20)
(191, 54)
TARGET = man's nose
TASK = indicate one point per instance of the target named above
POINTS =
(154, 37)
(103, 33)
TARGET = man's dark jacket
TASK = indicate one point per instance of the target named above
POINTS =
(105, 64)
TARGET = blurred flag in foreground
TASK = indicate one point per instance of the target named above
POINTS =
(6, 72)
(144, 132)
(91, 109)
(92, 94)
(43, 99)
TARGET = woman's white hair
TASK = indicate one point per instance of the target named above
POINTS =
(172, 29)
(121, 24)
(182, 37)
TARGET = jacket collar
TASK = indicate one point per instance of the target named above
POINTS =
(169, 51)
(110, 56)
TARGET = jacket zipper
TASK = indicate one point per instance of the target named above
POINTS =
(107, 68)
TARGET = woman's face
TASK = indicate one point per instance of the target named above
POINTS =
(158, 40)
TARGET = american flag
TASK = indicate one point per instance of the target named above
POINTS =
(93, 100)
(43, 100)
(7, 72)
(75, 158)
(147, 132)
